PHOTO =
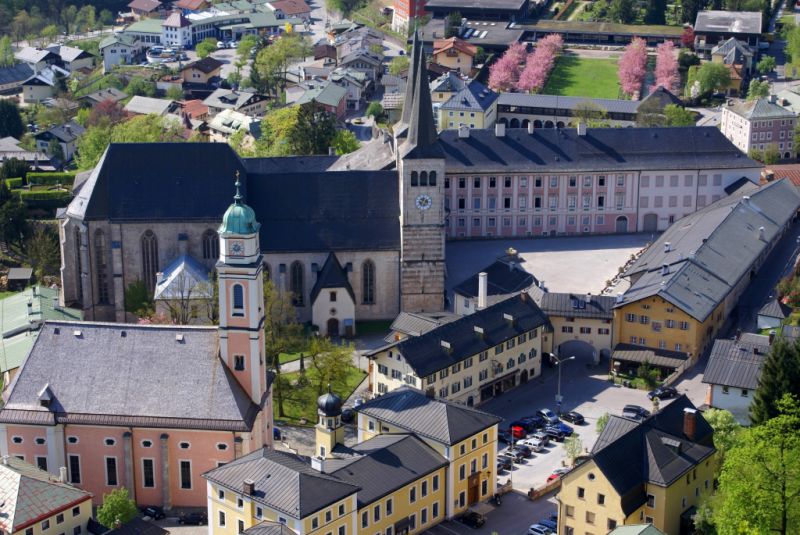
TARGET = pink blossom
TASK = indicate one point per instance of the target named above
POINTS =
(666, 67)
(633, 66)
(539, 63)
(504, 73)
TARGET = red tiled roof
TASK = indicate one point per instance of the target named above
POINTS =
(191, 5)
(195, 108)
(789, 170)
(176, 20)
(292, 7)
(145, 5)
(442, 45)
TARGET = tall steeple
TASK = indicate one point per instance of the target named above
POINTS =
(411, 85)
(422, 136)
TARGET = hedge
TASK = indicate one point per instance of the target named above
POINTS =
(14, 183)
(50, 179)
(26, 195)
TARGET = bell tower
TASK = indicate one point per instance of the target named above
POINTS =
(421, 169)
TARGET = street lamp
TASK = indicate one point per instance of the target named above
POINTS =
(558, 363)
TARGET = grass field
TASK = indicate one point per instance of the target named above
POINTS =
(301, 401)
(583, 77)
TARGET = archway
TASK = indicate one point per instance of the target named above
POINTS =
(470, 401)
(525, 123)
(333, 327)
(514, 123)
(523, 377)
(503, 120)
(549, 124)
(537, 123)
(650, 223)
(582, 351)
(622, 224)
(560, 124)
(787, 154)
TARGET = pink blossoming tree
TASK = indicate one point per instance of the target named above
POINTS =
(633, 66)
(539, 64)
(666, 67)
(504, 73)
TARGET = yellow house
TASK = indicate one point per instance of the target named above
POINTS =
(446, 86)
(475, 106)
(685, 285)
(653, 472)
(580, 322)
(202, 71)
(454, 54)
(36, 503)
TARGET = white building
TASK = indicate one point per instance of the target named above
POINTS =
(759, 124)
(177, 30)
(119, 49)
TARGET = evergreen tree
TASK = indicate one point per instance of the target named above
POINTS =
(780, 374)
(10, 120)
(656, 12)
(314, 130)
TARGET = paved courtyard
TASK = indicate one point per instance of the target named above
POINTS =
(566, 264)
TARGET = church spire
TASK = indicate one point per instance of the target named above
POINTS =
(411, 82)
(422, 136)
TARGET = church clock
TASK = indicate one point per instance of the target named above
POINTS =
(235, 247)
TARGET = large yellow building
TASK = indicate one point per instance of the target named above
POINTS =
(398, 479)
(655, 472)
(684, 287)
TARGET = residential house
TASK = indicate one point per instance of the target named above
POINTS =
(732, 373)
(636, 529)
(195, 109)
(119, 49)
(444, 87)
(148, 31)
(177, 31)
(655, 471)
(475, 106)
(101, 95)
(139, 105)
(757, 124)
(469, 360)
(202, 71)
(500, 280)
(454, 53)
(37, 502)
(66, 135)
(291, 9)
(246, 102)
(11, 78)
(772, 314)
(227, 122)
(72, 58)
(685, 285)
(581, 323)
(357, 39)
(356, 84)
(44, 84)
(330, 96)
(191, 6)
(10, 148)
(713, 28)
(324, 50)
(408, 324)
(146, 8)
(38, 58)
(365, 61)
(734, 52)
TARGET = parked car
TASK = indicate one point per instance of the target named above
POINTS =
(555, 433)
(348, 415)
(552, 525)
(553, 477)
(515, 456)
(548, 415)
(573, 417)
(504, 463)
(662, 392)
(635, 412)
(532, 443)
(561, 471)
(538, 529)
(523, 449)
(193, 519)
(220, 44)
(276, 433)
(153, 511)
(505, 437)
(518, 432)
(528, 425)
(541, 436)
(473, 519)
(564, 428)
(536, 421)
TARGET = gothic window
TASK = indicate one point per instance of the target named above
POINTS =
(78, 266)
(432, 178)
(149, 259)
(238, 300)
(414, 179)
(297, 283)
(368, 282)
(423, 178)
(210, 245)
(101, 267)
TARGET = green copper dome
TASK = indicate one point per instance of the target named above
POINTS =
(239, 218)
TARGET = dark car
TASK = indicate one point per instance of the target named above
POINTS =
(504, 463)
(515, 456)
(505, 437)
(662, 392)
(524, 450)
(473, 519)
(635, 412)
(552, 524)
(548, 415)
(276, 433)
(536, 421)
(348, 415)
(554, 432)
(564, 428)
(573, 417)
(527, 424)
(193, 519)
(153, 511)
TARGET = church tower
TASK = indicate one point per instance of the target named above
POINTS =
(421, 170)
(241, 305)
(329, 429)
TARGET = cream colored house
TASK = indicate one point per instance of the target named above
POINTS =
(454, 54)
(333, 302)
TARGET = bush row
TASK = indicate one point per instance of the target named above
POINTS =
(14, 183)
(50, 179)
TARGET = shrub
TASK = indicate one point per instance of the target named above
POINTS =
(14, 183)
(50, 179)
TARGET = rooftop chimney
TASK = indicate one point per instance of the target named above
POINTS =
(478, 331)
(62, 474)
(318, 464)
(483, 283)
(773, 99)
(667, 246)
(249, 487)
(771, 336)
(746, 199)
(463, 131)
(159, 278)
(530, 127)
(664, 269)
(581, 129)
(588, 298)
(499, 129)
(689, 422)
(5, 460)
(761, 235)
(30, 307)
(541, 285)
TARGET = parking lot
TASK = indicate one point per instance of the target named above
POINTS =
(566, 264)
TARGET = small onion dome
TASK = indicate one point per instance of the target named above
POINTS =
(330, 404)
(239, 218)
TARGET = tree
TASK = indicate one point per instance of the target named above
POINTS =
(766, 65)
(756, 154)
(504, 73)
(6, 52)
(206, 47)
(272, 62)
(117, 509)
(757, 89)
(332, 362)
(655, 12)
(686, 59)
(633, 66)
(140, 86)
(759, 487)
(540, 63)
(108, 112)
(666, 72)
(138, 299)
(345, 142)
(174, 93)
(43, 252)
(726, 431)
(13, 222)
(398, 65)
(21, 25)
(245, 46)
(282, 333)
(10, 119)
(591, 114)
(374, 110)
(713, 77)
(181, 303)
(13, 168)
(771, 154)
(275, 130)
(687, 38)
(91, 145)
(573, 447)
(792, 48)
(780, 375)
(452, 25)
(314, 130)
(86, 19)
(622, 11)
(676, 115)
(601, 422)
(106, 17)
(48, 34)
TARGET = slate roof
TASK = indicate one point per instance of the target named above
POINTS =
(94, 373)
(703, 267)
(630, 454)
(401, 128)
(332, 275)
(31, 54)
(450, 82)
(773, 308)
(656, 357)
(147, 105)
(184, 278)
(474, 97)
(68, 53)
(118, 38)
(145, 5)
(417, 323)
(206, 65)
(439, 420)
(283, 481)
(29, 494)
(231, 99)
(566, 103)
(22, 273)
(760, 109)
(736, 363)
(502, 277)
(608, 149)
(67, 132)
(577, 305)
(47, 76)
(383, 464)
(329, 95)
(110, 93)
(15, 74)
(269, 528)
(729, 22)
(422, 138)
(732, 51)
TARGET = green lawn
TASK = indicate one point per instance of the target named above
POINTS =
(301, 402)
(583, 77)
(283, 358)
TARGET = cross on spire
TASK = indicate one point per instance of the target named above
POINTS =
(237, 199)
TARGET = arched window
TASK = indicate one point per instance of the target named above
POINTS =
(432, 178)
(149, 259)
(423, 178)
(510, 364)
(414, 179)
(210, 245)
(101, 266)
(78, 266)
(368, 282)
(238, 300)
(297, 284)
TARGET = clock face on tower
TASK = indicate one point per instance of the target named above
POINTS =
(236, 247)
(423, 202)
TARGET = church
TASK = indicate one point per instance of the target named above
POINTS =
(362, 236)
